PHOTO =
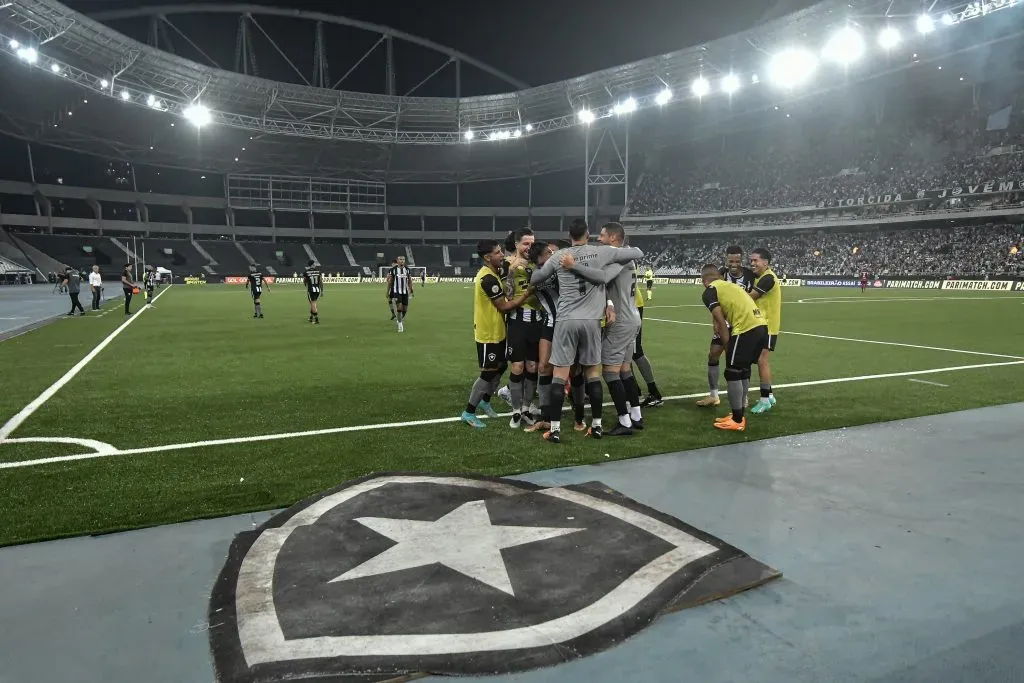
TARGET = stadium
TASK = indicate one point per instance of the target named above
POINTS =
(197, 489)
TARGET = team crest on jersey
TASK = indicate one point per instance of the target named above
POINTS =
(455, 575)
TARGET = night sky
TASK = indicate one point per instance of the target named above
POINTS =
(536, 41)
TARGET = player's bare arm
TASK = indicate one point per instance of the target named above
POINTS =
(505, 305)
(721, 328)
(547, 271)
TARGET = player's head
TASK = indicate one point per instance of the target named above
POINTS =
(154, 268)
(400, 261)
(524, 240)
(612, 234)
(490, 253)
(709, 273)
(310, 263)
(128, 265)
(252, 268)
(540, 252)
(578, 230)
(95, 269)
(760, 259)
(734, 259)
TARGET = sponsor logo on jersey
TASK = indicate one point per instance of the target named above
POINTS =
(986, 285)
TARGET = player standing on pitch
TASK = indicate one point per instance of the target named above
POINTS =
(314, 281)
(399, 288)
(152, 277)
(767, 292)
(739, 324)
(255, 286)
(735, 273)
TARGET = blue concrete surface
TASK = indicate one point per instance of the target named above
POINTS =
(25, 307)
(900, 544)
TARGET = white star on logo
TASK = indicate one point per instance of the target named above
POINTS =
(463, 540)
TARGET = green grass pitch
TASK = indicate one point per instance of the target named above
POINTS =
(198, 367)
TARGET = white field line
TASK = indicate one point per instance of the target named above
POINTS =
(35, 405)
(858, 300)
(436, 421)
(786, 333)
(924, 381)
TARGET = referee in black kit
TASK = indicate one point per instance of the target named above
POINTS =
(128, 284)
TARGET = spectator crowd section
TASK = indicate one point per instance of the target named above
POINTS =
(962, 252)
(808, 159)
(966, 251)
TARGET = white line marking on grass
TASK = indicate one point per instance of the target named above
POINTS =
(35, 405)
(442, 420)
(924, 381)
(98, 446)
(854, 299)
(785, 333)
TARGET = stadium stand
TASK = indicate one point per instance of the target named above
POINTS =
(177, 256)
(832, 159)
(227, 256)
(277, 257)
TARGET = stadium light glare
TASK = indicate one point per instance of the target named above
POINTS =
(948, 19)
(517, 133)
(663, 97)
(585, 116)
(845, 47)
(151, 100)
(730, 84)
(700, 87)
(792, 67)
(104, 83)
(626, 106)
(529, 127)
(493, 135)
(754, 79)
(125, 95)
(14, 45)
(198, 115)
(55, 68)
(889, 37)
(504, 135)
(469, 135)
(925, 24)
(28, 55)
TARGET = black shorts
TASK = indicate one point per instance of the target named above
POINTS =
(547, 332)
(524, 340)
(400, 299)
(772, 338)
(312, 296)
(744, 349)
(491, 354)
(256, 293)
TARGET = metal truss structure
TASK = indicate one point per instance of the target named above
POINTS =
(137, 91)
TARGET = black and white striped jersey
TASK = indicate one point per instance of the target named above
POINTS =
(401, 280)
(313, 280)
(548, 297)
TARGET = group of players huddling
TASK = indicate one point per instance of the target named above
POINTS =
(562, 316)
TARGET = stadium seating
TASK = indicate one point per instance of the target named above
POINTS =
(229, 259)
(831, 160)
(177, 256)
(278, 257)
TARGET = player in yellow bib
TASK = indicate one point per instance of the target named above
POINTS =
(489, 308)
(649, 276)
(743, 331)
(767, 292)
(654, 397)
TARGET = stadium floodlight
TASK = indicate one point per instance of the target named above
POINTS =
(14, 45)
(700, 87)
(125, 95)
(792, 67)
(493, 135)
(845, 47)
(754, 79)
(198, 115)
(889, 38)
(626, 106)
(469, 135)
(663, 97)
(730, 84)
(104, 83)
(28, 55)
(948, 19)
(504, 135)
(55, 68)
(585, 116)
(529, 127)
(925, 24)
(517, 133)
(151, 100)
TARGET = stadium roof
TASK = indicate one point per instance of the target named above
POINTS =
(101, 92)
